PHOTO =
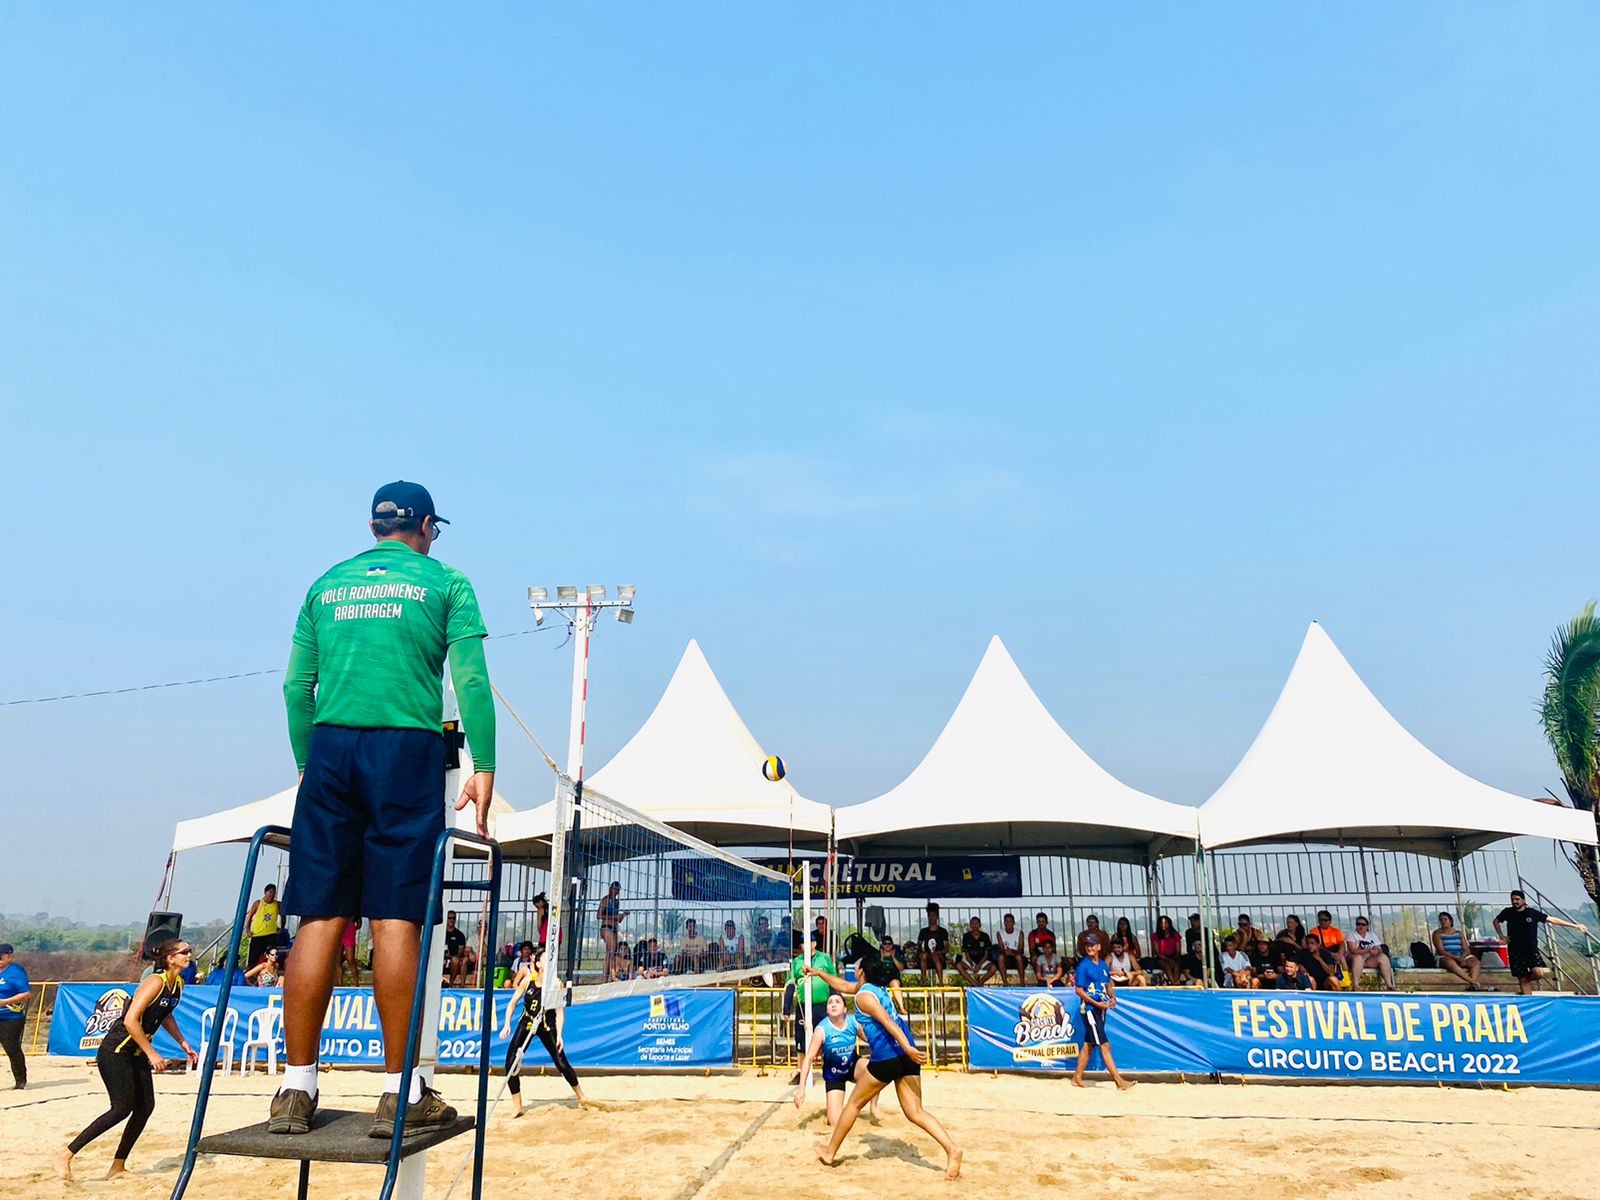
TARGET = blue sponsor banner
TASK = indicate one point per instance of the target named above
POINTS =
(940, 877)
(691, 1028)
(1303, 1035)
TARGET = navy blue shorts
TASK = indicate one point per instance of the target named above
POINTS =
(1094, 1025)
(366, 818)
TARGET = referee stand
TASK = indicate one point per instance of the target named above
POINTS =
(340, 1136)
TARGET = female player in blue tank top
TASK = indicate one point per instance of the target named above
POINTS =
(834, 1041)
(895, 1059)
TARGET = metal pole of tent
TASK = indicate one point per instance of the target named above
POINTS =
(1455, 873)
(1072, 903)
(805, 947)
(1200, 903)
(1366, 884)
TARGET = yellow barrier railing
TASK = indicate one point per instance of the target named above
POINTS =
(41, 1008)
(765, 1037)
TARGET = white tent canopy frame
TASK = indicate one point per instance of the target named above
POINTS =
(239, 824)
(1331, 765)
(694, 765)
(1002, 750)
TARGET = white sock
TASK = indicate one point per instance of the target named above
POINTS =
(303, 1079)
(391, 1083)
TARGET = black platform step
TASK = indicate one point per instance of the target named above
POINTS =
(335, 1136)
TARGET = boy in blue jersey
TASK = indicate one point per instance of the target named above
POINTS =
(834, 1041)
(895, 1059)
(1097, 996)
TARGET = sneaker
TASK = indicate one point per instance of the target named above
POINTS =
(425, 1116)
(292, 1111)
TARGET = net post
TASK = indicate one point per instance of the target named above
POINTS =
(805, 945)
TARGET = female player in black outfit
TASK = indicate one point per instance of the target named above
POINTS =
(126, 1058)
(534, 1020)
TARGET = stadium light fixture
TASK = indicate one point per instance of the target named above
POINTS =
(535, 594)
(538, 616)
(625, 592)
(566, 593)
(597, 591)
(625, 615)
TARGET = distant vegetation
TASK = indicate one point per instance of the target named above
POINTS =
(41, 932)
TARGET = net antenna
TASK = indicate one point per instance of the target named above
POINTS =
(638, 907)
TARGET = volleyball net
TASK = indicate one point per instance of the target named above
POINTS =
(637, 906)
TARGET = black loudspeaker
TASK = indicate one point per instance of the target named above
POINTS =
(874, 921)
(161, 927)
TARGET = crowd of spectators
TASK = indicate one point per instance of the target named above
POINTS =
(1295, 957)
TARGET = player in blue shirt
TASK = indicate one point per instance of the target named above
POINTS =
(1097, 996)
(834, 1041)
(895, 1059)
(15, 992)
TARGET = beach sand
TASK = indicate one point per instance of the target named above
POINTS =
(739, 1136)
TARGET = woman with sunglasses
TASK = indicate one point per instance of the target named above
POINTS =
(1366, 949)
(127, 1059)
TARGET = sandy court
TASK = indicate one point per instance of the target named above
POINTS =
(737, 1136)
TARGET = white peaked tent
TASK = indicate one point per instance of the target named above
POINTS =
(240, 824)
(1004, 776)
(1331, 765)
(695, 765)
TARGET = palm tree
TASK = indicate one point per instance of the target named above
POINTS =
(1570, 714)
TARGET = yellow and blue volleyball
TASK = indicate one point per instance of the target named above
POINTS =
(772, 768)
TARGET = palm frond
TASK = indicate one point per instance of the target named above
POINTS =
(1569, 710)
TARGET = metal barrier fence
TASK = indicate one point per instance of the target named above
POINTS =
(764, 1035)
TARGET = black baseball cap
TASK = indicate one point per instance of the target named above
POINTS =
(409, 499)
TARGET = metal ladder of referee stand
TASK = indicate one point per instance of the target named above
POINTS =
(341, 1135)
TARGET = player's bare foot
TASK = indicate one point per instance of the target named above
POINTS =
(824, 1154)
(515, 1113)
(953, 1170)
(63, 1165)
(1124, 1084)
(1076, 1082)
(117, 1171)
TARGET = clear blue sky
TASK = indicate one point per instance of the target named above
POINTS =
(1138, 338)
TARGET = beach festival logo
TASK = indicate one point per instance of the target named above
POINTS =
(107, 1010)
(1044, 1030)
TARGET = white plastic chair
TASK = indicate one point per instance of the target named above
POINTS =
(261, 1032)
(230, 1029)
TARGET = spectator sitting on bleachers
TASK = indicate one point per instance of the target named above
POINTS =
(1322, 964)
(1126, 970)
(763, 946)
(1125, 932)
(933, 945)
(1091, 925)
(523, 961)
(624, 960)
(1245, 933)
(693, 956)
(1295, 978)
(1168, 945)
(1294, 929)
(648, 960)
(1040, 939)
(1451, 949)
(976, 964)
(1266, 964)
(733, 953)
(1366, 949)
(1010, 950)
(1331, 936)
(1049, 968)
(1236, 969)
(891, 968)
(1194, 970)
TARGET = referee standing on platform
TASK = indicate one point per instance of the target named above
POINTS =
(365, 694)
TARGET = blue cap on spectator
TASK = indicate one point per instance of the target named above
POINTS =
(409, 500)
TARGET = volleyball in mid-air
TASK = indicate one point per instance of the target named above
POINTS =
(772, 768)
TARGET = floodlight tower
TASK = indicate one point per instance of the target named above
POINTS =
(581, 607)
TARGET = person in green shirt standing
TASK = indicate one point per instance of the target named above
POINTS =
(818, 988)
(365, 696)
